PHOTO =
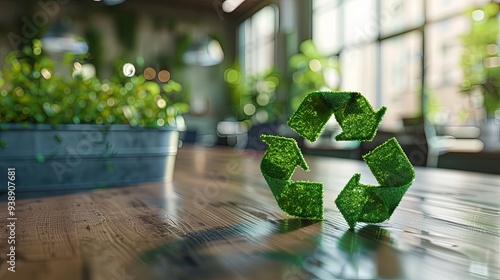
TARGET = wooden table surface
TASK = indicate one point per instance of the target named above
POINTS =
(219, 220)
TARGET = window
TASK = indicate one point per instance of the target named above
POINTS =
(401, 78)
(257, 58)
(358, 70)
(382, 46)
(327, 34)
(257, 37)
(361, 24)
(444, 74)
(352, 38)
(398, 16)
(439, 9)
(443, 51)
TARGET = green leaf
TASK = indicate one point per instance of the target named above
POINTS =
(40, 158)
(110, 166)
(57, 138)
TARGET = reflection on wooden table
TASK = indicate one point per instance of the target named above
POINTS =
(219, 220)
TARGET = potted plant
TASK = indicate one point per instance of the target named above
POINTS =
(71, 131)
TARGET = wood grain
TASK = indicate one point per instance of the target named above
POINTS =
(219, 220)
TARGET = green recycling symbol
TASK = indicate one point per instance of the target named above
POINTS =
(359, 122)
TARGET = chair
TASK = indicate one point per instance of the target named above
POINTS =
(441, 144)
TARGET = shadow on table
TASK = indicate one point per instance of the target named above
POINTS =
(176, 251)
(215, 253)
(244, 250)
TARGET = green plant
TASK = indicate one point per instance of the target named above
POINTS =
(311, 71)
(32, 91)
(254, 97)
(480, 60)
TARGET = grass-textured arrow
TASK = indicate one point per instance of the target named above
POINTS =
(374, 204)
(352, 111)
(300, 199)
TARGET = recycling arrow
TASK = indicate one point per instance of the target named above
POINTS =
(300, 198)
(374, 204)
(352, 111)
(359, 122)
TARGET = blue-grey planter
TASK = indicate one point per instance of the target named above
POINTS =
(83, 156)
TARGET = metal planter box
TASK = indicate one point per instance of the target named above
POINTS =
(83, 156)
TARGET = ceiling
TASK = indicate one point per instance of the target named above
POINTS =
(209, 6)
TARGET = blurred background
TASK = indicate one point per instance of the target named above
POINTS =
(241, 67)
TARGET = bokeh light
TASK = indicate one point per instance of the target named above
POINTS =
(86, 71)
(262, 116)
(149, 73)
(161, 103)
(128, 69)
(262, 99)
(46, 73)
(110, 101)
(249, 109)
(77, 66)
(492, 49)
(231, 76)
(105, 87)
(315, 65)
(164, 76)
(478, 15)
(298, 77)
(160, 122)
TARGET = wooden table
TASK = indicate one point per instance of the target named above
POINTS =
(219, 220)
